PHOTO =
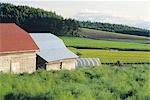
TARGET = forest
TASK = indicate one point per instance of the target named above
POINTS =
(38, 20)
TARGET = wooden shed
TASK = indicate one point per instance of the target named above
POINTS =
(17, 49)
(53, 54)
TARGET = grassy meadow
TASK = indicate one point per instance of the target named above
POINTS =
(92, 43)
(98, 83)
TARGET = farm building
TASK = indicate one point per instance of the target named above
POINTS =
(87, 62)
(17, 49)
(53, 54)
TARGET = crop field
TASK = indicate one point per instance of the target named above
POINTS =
(99, 83)
(97, 34)
(108, 56)
(92, 43)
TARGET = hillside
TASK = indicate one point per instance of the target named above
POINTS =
(97, 34)
(124, 29)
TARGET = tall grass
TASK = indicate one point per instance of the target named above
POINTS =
(99, 83)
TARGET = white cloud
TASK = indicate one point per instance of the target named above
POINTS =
(96, 16)
(89, 11)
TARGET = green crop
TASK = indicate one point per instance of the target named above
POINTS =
(111, 56)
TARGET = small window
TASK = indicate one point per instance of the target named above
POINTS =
(60, 65)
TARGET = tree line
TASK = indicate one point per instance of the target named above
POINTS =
(38, 20)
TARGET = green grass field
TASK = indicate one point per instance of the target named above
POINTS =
(107, 56)
(97, 34)
(85, 42)
(99, 83)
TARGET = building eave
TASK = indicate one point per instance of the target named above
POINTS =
(19, 51)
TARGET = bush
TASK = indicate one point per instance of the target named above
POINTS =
(102, 82)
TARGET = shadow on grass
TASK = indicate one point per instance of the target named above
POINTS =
(20, 96)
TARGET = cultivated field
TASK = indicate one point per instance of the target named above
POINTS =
(99, 83)
(104, 44)
(97, 34)
(111, 56)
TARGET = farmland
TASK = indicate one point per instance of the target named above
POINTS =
(99, 83)
(97, 34)
(104, 44)
(104, 82)
(108, 56)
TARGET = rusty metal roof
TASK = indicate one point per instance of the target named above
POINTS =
(13, 38)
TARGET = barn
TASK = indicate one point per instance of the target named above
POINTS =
(17, 49)
(53, 54)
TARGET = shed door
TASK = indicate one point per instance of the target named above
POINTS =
(15, 67)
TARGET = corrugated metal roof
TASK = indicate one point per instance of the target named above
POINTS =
(14, 38)
(51, 47)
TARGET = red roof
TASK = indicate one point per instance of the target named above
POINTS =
(13, 38)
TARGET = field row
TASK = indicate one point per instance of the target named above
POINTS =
(92, 43)
(107, 56)
(97, 34)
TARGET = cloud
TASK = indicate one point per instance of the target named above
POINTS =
(87, 11)
(97, 16)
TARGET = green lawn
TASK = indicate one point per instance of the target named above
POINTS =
(107, 56)
(100, 83)
(84, 42)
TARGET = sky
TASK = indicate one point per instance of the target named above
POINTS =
(128, 12)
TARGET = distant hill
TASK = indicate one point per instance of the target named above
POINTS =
(38, 20)
(115, 28)
(97, 34)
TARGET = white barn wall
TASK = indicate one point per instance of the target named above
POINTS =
(66, 64)
(53, 66)
(24, 62)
